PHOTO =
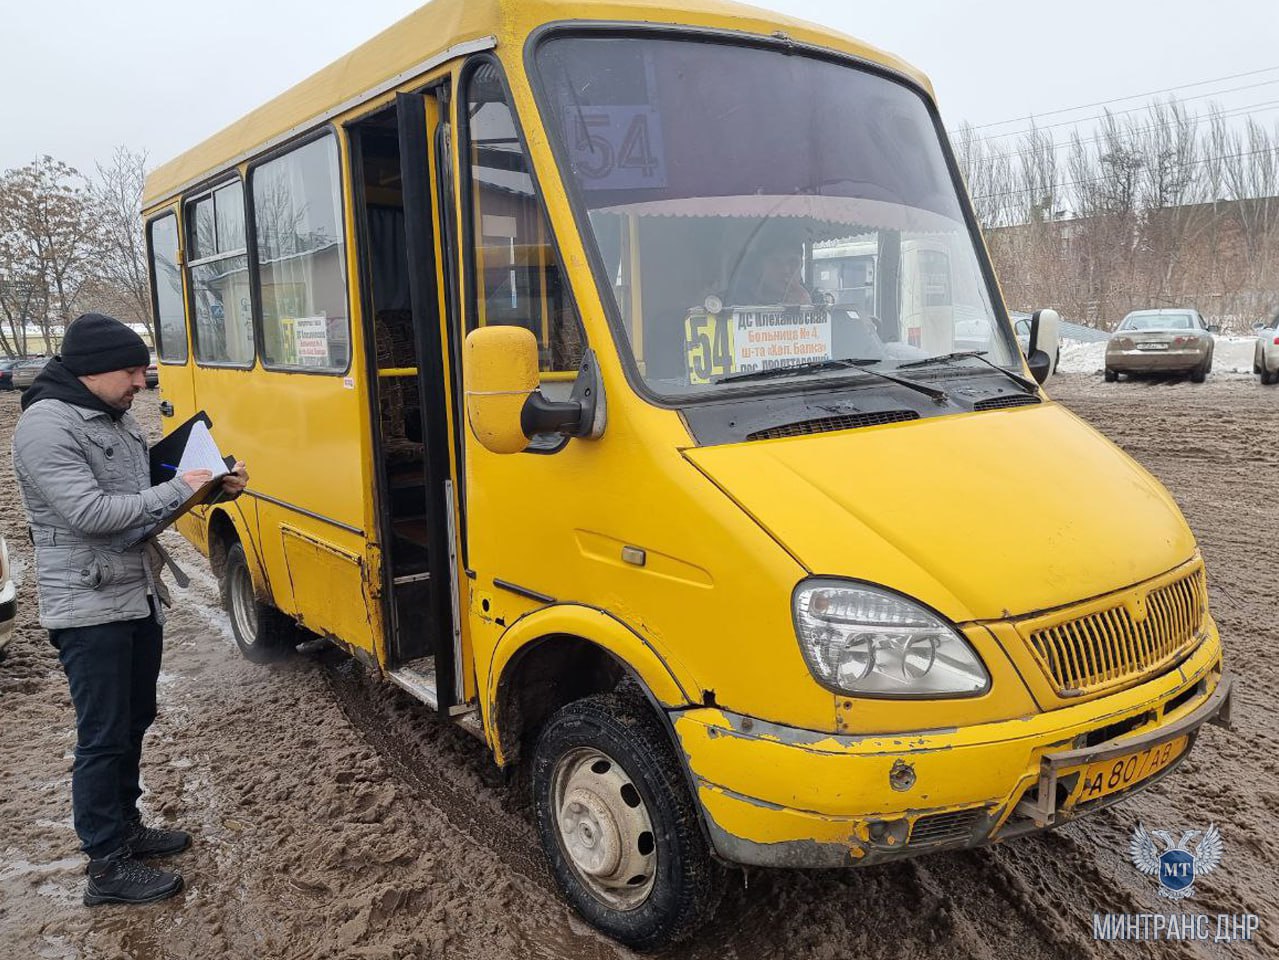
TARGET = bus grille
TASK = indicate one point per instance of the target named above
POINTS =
(953, 827)
(999, 403)
(848, 421)
(1121, 642)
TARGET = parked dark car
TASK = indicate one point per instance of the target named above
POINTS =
(153, 374)
(24, 373)
(6, 372)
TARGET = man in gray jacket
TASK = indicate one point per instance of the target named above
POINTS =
(82, 466)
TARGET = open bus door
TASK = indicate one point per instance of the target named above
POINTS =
(404, 304)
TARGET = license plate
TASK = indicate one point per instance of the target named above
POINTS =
(1152, 346)
(1110, 776)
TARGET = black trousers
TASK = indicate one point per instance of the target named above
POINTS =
(112, 669)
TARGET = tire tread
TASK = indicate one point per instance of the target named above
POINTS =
(625, 716)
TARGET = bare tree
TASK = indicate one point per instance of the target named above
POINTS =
(120, 285)
(1168, 207)
(1251, 168)
(49, 236)
(989, 175)
(1168, 187)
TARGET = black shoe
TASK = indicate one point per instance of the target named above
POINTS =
(119, 878)
(149, 842)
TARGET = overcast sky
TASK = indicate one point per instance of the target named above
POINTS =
(77, 78)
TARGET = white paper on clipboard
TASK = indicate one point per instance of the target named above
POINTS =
(201, 453)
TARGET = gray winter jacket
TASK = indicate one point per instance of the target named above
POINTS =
(85, 480)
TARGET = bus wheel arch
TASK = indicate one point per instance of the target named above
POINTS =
(222, 535)
(262, 633)
(542, 677)
(594, 651)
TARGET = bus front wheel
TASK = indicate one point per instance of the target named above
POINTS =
(261, 632)
(618, 825)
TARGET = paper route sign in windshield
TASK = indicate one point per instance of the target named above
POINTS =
(746, 339)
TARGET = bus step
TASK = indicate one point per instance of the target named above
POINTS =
(418, 678)
(411, 578)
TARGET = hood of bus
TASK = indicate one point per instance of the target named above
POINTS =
(982, 516)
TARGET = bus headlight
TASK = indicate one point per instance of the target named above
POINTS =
(863, 640)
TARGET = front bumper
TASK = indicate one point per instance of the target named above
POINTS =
(777, 796)
(1154, 361)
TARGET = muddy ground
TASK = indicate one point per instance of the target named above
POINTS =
(337, 819)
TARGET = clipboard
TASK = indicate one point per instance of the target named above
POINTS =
(169, 451)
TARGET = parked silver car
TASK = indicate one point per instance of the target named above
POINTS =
(25, 373)
(8, 599)
(1161, 341)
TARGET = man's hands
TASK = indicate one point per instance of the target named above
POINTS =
(232, 483)
(235, 481)
(195, 479)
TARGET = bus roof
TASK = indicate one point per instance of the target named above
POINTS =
(442, 30)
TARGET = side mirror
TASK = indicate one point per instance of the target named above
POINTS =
(504, 406)
(1041, 353)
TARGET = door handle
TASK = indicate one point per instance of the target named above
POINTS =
(166, 408)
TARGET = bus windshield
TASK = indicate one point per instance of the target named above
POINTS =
(753, 209)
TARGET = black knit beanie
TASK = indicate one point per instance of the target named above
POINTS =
(96, 343)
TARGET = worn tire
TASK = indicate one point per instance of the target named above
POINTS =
(1200, 373)
(686, 882)
(1110, 376)
(262, 632)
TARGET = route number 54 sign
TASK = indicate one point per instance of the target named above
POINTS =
(617, 147)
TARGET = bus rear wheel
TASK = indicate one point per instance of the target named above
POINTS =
(617, 823)
(262, 633)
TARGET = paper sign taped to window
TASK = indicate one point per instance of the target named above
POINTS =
(311, 341)
(765, 339)
(747, 339)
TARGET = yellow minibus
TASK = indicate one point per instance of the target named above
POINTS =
(628, 381)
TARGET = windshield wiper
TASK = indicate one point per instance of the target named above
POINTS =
(795, 370)
(858, 364)
(1029, 385)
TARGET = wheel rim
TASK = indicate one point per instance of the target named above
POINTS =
(604, 828)
(243, 605)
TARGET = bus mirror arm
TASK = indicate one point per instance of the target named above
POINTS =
(582, 415)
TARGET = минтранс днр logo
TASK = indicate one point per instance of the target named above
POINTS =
(1178, 865)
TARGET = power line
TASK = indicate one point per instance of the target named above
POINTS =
(1135, 96)
(1087, 180)
(1118, 113)
(1243, 110)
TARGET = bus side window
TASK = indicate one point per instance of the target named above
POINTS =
(219, 275)
(166, 290)
(517, 270)
(297, 218)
